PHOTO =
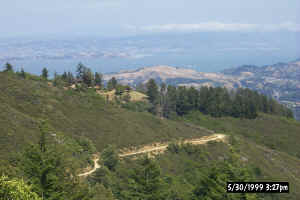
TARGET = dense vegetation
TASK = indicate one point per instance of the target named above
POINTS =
(191, 172)
(217, 102)
(53, 131)
(278, 133)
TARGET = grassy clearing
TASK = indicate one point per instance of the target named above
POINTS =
(134, 95)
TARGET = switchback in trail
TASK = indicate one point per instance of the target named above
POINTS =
(160, 148)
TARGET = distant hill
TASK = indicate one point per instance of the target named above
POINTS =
(174, 76)
(281, 80)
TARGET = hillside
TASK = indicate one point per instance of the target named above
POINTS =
(75, 114)
(82, 124)
(173, 76)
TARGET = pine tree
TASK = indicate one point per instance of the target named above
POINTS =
(8, 68)
(22, 73)
(182, 104)
(45, 73)
(64, 76)
(153, 96)
(88, 77)
(80, 71)
(98, 79)
(55, 79)
(147, 183)
(110, 157)
(112, 84)
(169, 108)
(70, 78)
(119, 90)
(44, 168)
(152, 92)
(16, 190)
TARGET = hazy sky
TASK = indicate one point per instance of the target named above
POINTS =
(124, 17)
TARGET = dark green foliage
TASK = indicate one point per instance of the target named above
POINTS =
(272, 131)
(139, 106)
(22, 73)
(84, 75)
(217, 102)
(55, 79)
(102, 176)
(153, 96)
(169, 106)
(152, 92)
(70, 79)
(8, 68)
(183, 172)
(45, 73)
(120, 89)
(145, 182)
(99, 192)
(110, 157)
(47, 170)
(76, 114)
(16, 190)
(112, 83)
(98, 80)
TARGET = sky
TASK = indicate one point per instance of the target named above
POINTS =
(117, 18)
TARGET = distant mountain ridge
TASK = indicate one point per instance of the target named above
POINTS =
(281, 80)
(173, 76)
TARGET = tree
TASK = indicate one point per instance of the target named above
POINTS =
(101, 193)
(98, 79)
(16, 190)
(146, 183)
(169, 108)
(119, 90)
(64, 76)
(70, 78)
(45, 73)
(182, 105)
(45, 169)
(80, 71)
(112, 83)
(8, 68)
(88, 77)
(22, 73)
(55, 80)
(110, 157)
(85, 75)
(152, 92)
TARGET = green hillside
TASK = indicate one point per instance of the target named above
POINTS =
(194, 172)
(277, 133)
(25, 102)
(81, 123)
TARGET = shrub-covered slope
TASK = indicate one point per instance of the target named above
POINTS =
(24, 102)
(274, 132)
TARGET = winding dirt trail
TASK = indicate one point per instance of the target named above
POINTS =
(96, 166)
(160, 148)
(163, 147)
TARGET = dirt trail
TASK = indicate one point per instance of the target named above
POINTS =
(160, 148)
(96, 166)
(163, 147)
